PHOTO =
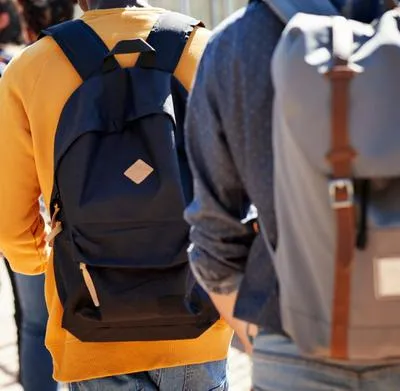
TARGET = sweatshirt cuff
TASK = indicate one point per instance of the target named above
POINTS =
(212, 275)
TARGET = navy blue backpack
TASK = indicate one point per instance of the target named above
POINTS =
(121, 184)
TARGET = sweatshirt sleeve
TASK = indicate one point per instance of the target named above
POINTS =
(220, 239)
(187, 66)
(22, 230)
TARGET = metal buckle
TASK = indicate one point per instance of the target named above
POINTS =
(341, 184)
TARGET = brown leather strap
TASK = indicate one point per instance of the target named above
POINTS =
(341, 191)
(390, 4)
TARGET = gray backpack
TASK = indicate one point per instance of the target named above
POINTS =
(337, 181)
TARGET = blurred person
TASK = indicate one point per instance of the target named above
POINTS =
(40, 14)
(11, 38)
(230, 148)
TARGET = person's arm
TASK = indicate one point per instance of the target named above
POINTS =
(225, 305)
(22, 236)
(221, 242)
(185, 73)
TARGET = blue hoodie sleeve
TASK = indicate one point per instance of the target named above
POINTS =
(221, 240)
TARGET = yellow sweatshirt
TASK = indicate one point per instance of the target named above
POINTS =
(33, 92)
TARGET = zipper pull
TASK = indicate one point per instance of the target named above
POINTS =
(56, 226)
(55, 214)
(57, 229)
(89, 284)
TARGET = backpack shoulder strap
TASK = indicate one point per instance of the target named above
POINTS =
(168, 37)
(287, 9)
(81, 45)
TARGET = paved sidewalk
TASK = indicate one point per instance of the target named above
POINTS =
(239, 366)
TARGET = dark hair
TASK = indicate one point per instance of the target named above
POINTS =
(13, 32)
(40, 14)
(61, 10)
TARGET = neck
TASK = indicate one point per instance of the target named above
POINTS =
(104, 4)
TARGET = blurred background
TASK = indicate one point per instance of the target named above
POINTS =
(211, 12)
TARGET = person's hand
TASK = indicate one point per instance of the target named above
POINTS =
(225, 304)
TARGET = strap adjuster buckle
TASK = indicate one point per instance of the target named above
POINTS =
(341, 187)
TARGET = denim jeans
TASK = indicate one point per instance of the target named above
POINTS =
(202, 377)
(35, 360)
(17, 309)
(277, 366)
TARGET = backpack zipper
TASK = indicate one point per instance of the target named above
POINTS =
(89, 284)
(56, 226)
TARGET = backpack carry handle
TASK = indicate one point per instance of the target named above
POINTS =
(128, 47)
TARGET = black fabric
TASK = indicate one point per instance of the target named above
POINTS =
(168, 37)
(124, 241)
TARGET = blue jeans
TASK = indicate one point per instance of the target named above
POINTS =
(202, 377)
(35, 360)
(277, 366)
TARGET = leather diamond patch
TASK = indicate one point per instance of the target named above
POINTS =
(138, 171)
